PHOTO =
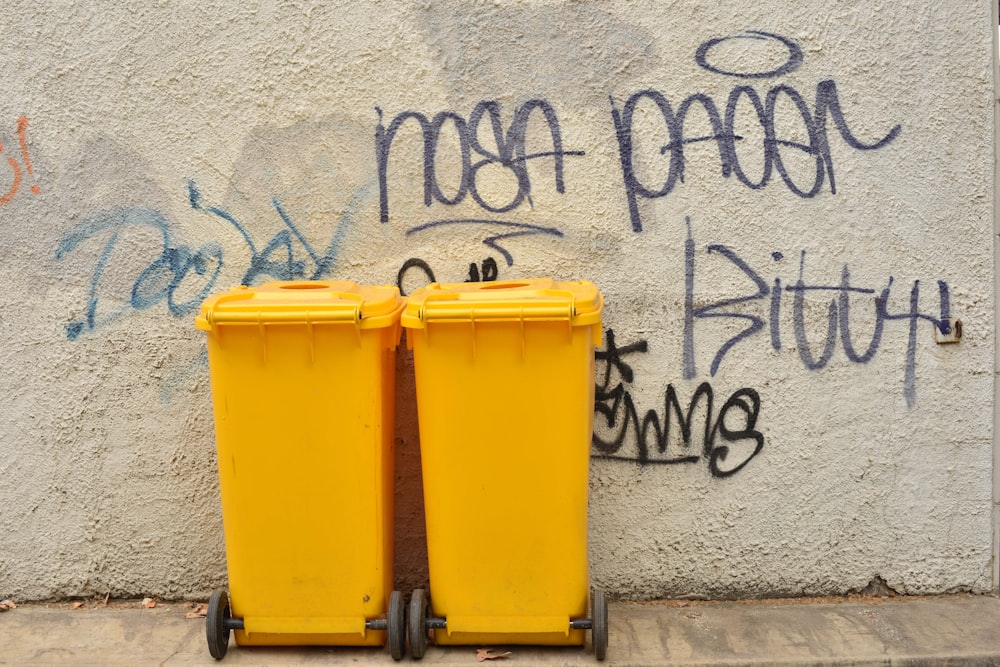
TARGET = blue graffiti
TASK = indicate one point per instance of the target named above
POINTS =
(177, 262)
(158, 282)
(290, 266)
(181, 378)
(838, 315)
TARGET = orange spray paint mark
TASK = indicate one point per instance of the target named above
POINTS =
(16, 168)
(22, 134)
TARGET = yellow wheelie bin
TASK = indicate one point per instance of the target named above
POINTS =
(505, 401)
(302, 376)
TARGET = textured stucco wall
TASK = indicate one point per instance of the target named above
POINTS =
(840, 204)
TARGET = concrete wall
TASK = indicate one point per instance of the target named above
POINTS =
(780, 202)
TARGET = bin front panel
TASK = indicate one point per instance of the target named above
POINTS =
(506, 412)
(303, 418)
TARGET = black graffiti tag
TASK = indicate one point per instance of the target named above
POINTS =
(730, 438)
(765, 109)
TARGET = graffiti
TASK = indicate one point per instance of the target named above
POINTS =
(726, 447)
(838, 327)
(177, 263)
(485, 140)
(793, 62)
(414, 263)
(489, 272)
(826, 106)
(520, 229)
(291, 266)
(184, 376)
(159, 281)
(15, 166)
(507, 151)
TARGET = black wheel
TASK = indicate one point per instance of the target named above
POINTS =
(418, 624)
(599, 629)
(397, 625)
(215, 624)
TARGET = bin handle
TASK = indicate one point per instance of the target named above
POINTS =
(546, 305)
(351, 314)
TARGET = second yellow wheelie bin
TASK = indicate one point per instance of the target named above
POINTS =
(505, 400)
(302, 377)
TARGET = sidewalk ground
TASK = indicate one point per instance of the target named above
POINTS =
(940, 630)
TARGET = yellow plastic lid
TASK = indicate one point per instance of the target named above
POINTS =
(534, 299)
(302, 301)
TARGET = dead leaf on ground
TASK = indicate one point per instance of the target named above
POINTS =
(485, 654)
(78, 604)
(106, 598)
(148, 603)
(7, 605)
(199, 611)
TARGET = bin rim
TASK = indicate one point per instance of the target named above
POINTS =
(532, 299)
(303, 302)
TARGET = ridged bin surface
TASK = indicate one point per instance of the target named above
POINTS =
(302, 389)
(505, 396)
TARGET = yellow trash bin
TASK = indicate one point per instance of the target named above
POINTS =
(505, 400)
(303, 383)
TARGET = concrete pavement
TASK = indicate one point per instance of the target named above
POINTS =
(943, 630)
